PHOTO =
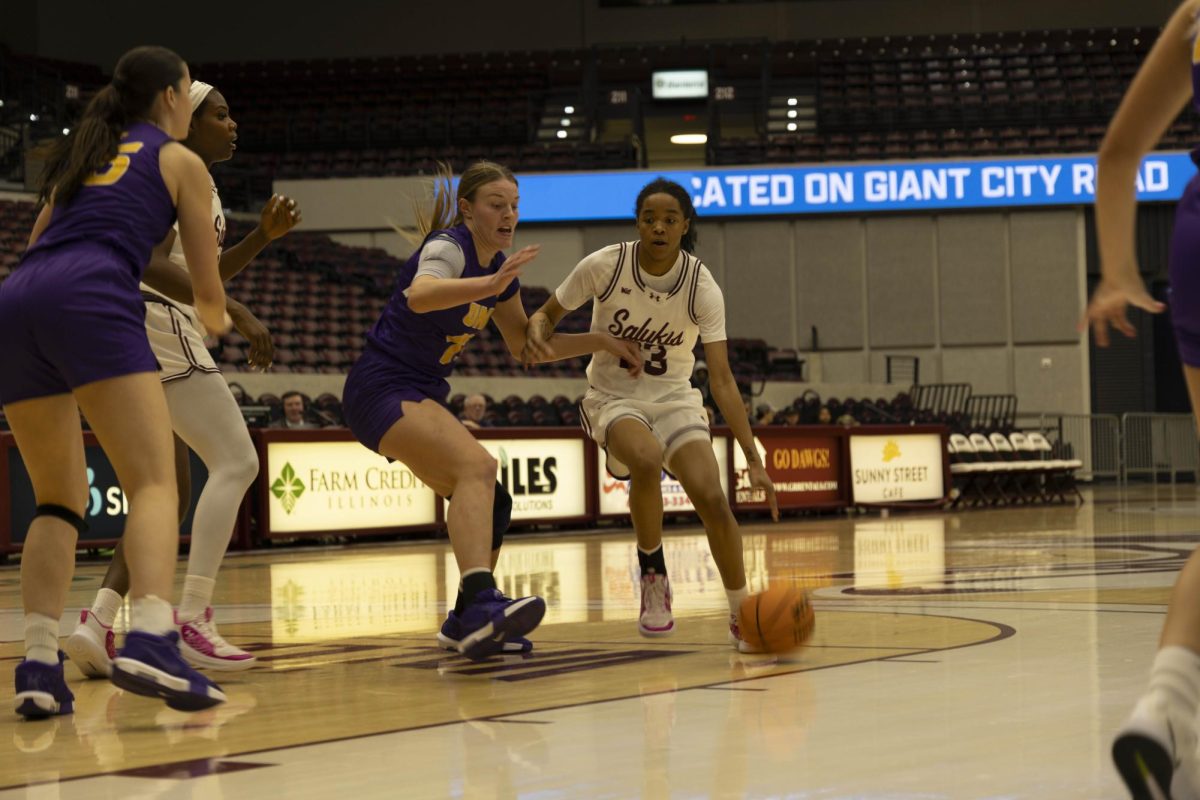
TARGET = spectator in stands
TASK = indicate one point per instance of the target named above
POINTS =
(72, 323)
(474, 407)
(764, 414)
(789, 416)
(1155, 750)
(657, 420)
(824, 415)
(711, 414)
(456, 281)
(238, 392)
(294, 413)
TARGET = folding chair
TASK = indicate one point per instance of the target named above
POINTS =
(967, 470)
(1061, 476)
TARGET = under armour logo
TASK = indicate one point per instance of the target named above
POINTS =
(625, 290)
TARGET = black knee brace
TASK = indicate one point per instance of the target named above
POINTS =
(501, 515)
(65, 514)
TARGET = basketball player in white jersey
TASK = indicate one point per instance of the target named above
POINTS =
(204, 414)
(656, 293)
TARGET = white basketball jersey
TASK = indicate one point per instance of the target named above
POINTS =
(176, 254)
(661, 313)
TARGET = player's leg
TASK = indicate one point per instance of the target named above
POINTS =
(692, 462)
(451, 634)
(49, 438)
(440, 451)
(206, 417)
(92, 645)
(633, 444)
(1158, 741)
(129, 416)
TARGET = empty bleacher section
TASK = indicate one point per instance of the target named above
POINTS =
(953, 96)
(319, 297)
(791, 101)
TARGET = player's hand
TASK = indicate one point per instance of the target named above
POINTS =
(279, 216)
(537, 340)
(628, 351)
(759, 479)
(262, 347)
(510, 270)
(1109, 304)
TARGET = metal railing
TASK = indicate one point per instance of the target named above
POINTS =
(1094, 439)
(1158, 444)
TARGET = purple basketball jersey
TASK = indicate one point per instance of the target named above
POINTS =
(428, 344)
(125, 206)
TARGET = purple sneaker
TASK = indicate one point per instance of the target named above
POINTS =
(451, 634)
(493, 619)
(151, 666)
(41, 690)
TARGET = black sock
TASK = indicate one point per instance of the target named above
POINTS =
(458, 602)
(475, 583)
(652, 562)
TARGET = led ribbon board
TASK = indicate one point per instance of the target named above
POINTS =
(857, 188)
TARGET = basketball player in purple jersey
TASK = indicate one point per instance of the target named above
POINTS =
(1155, 750)
(72, 323)
(448, 290)
(657, 295)
(204, 414)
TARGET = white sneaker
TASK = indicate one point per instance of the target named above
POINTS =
(735, 637)
(202, 647)
(1155, 755)
(656, 618)
(91, 646)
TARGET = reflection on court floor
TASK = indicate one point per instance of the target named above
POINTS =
(981, 654)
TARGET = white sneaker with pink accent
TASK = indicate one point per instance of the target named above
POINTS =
(735, 637)
(91, 646)
(202, 647)
(655, 618)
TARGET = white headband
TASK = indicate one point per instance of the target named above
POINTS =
(198, 93)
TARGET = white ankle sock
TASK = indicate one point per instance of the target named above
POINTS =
(736, 596)
(197, 597)
(106, 607)
(41, 638)
(1175, 678)
(152, 614)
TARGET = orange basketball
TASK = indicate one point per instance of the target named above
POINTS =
(777, 620)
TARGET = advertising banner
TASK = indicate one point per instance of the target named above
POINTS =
(318, 486)
(107, 505)
(843, 188)
(805, 467)
(544, 476)
(896, 468)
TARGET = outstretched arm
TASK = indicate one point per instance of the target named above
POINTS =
(428, 293)
(1158, 93)
(510, 319)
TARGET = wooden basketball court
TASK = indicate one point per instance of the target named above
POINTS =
(976, 654)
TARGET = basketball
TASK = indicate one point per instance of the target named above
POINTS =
(778, 620)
